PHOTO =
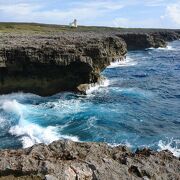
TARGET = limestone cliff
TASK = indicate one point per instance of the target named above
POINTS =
(143, 40)
(46, 65)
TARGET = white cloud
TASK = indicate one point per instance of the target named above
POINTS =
(39, 12)
(21, 9)
(121, 22)
(90, 12)
(173, 11)
(155, 3)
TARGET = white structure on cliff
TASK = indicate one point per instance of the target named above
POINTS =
(74, 23)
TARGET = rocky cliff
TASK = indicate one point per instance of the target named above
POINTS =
(46, 64)
(67, 160)
(143, 40)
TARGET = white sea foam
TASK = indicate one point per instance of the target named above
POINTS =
(167, 48)
(12, 107)
(123, 63)
(172, 145)
(126, 143)
(96, 86)
(133, 91)
(91, 122)
(63, 106)
(3, 122)
(30, 133)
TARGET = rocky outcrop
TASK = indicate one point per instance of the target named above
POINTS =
(46, 65)
(143, 40)
(69, 160)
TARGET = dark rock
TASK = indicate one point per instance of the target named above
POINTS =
(143, 40)
(48, 65)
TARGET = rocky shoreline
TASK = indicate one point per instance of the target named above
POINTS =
(46, 64)
(68, 160)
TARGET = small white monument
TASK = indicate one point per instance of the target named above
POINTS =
(73, 24)
(2, 63)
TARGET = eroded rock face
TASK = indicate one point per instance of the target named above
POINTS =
(143, 40)
(48, 65)
(73, 160)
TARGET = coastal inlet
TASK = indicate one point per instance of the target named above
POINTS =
(138, 106)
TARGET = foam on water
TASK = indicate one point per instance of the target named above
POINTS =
(126, 143)
(172, 145)
(2, 122)
(138, 107)
(167, 48)
(97, 86)
(30, 133)
(123, 63)
(133, 91)
(65, 106)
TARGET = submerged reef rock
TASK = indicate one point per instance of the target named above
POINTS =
(47, 63)
(68, 160)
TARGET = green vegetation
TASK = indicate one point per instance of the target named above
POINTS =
(45, 28)
(8, 27)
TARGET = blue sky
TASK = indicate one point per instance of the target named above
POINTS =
(118, 13)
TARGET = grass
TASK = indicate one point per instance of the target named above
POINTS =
(8, 27)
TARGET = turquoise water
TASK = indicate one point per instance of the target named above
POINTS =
(138, 105)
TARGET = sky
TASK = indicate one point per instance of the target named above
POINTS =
(115, 13)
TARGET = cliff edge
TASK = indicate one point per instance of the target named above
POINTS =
(46, 65)
(65, 59)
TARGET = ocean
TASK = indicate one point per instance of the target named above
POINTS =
(138, 105)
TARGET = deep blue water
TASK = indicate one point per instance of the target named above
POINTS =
(139, 106)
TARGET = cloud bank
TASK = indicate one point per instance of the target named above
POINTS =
(124, 13)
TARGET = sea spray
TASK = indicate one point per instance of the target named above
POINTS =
(103, 82)
(123, 63)
(172, 145)
(28, 132)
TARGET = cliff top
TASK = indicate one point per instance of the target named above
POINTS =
(36, 28)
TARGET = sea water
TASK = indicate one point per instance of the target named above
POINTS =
(138, 106)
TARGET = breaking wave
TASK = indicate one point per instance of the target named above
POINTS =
(172, 145)
(28, 132)
(94, 87)
(123, 63)
(167, 48)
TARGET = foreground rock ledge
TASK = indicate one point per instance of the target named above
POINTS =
(68, 160)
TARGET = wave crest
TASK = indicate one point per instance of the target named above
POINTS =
(172, 145)
(28, 132)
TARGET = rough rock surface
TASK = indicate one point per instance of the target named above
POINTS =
(46, 64)
(67, 160)
(142, 40)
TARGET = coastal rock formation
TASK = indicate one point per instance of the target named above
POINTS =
(46, 65)
(67, 160)
(143, 40)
